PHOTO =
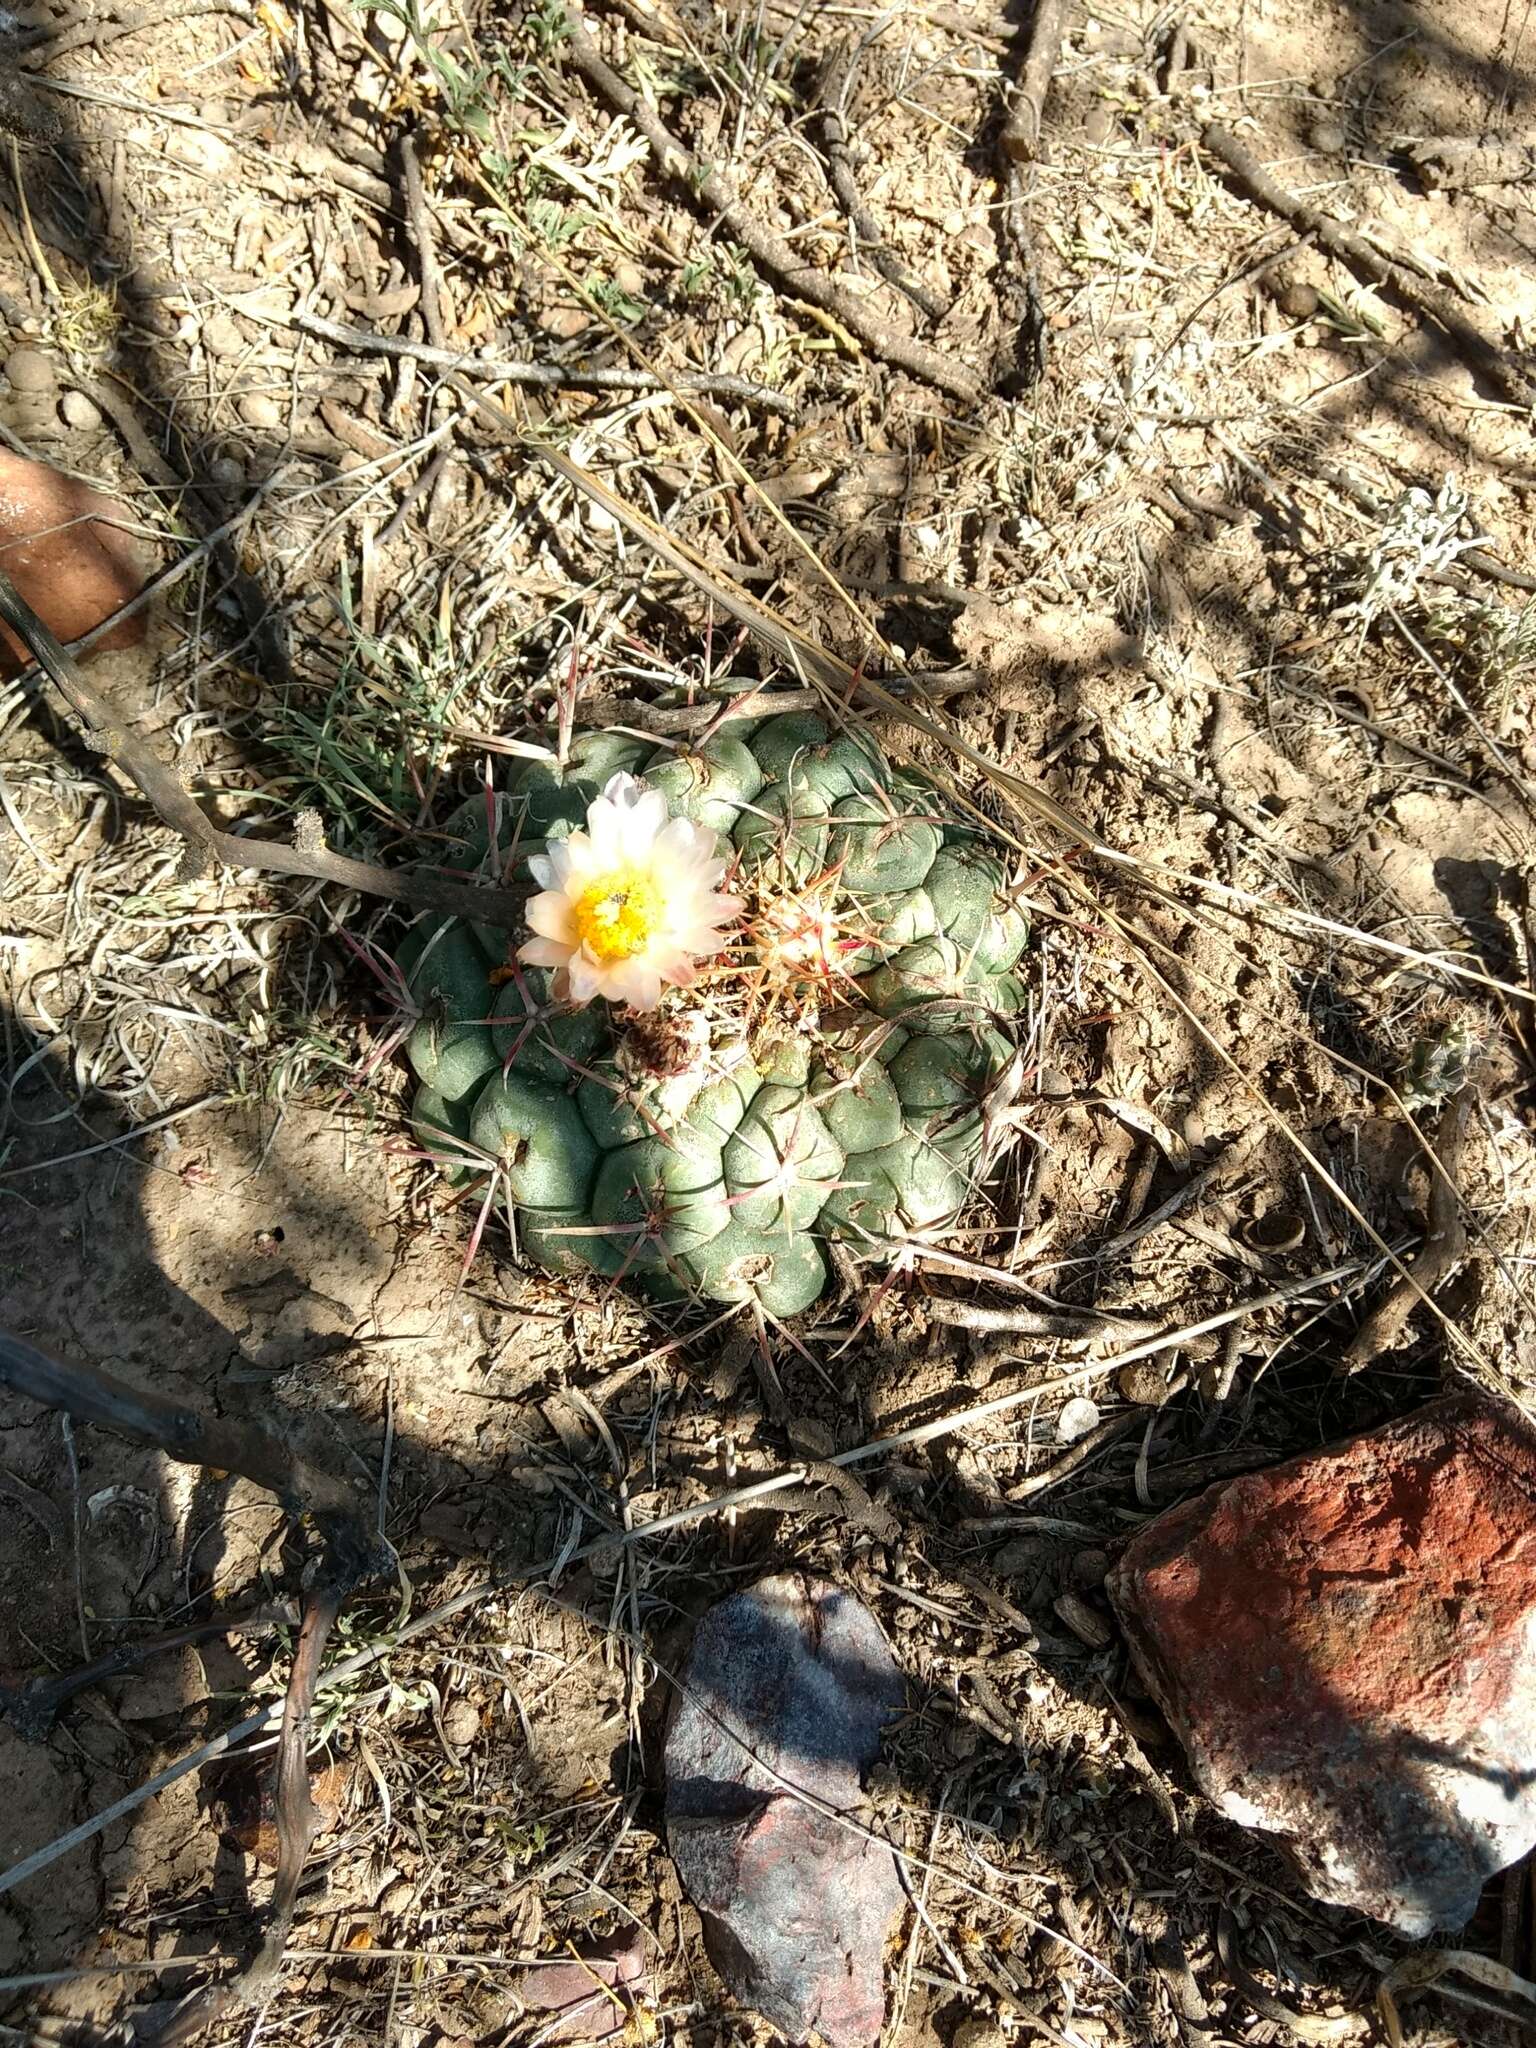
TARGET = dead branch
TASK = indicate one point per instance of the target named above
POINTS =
(1479, 351)
(352, 1554)
(96, 31)
(419, 212)
(537, 376)
(1021, 132)
(252, 1448)
(34, 1707)
(1457, 163)
(1019, 148)
(836, 80)
(1444, 1247)
(767, 249)
(174, 803)
(297, 1825)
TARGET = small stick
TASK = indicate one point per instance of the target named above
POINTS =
(1444, 1247)
(537, 376)
(33, 1708)
(835, 83)
(297, 1821)
(1021, 131)
(768, 249)
(420, 214)
(252, 1448)
(1019, 148)
(1455, 163)
(1083, 1327)
(72, 34)
(174, 803)
(1481, 354)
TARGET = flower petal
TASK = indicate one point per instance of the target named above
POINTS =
(689, 845)
(645, 818)
(635, 982)
(584, 975)
(543, 953)
(550, 916)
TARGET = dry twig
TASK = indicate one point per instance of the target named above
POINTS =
(1444, 1247)
(1457, 163)
(352, 1554)
(1019, 148)
(764, 245)
(33, 1707)
(1478, 350)
(174, 803)
(836, 81)
(538, 376)
(1021, 131)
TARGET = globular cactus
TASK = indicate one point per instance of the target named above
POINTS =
(834, 1073)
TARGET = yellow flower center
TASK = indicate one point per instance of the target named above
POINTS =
(619, 915)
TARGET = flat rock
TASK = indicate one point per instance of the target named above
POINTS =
(68, 551)
(1346, 1646)
(787, 1688)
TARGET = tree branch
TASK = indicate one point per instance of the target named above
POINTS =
(1478, 350)
(173, 802)
(767, 249)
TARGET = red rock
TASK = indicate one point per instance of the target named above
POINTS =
(591, 1992)
(1346, 1645)
(67, 550)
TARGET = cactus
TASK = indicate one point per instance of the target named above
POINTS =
(831, 1079)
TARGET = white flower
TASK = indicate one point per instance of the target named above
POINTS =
(629, 904)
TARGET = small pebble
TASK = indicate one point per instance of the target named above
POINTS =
(461, 1723)
(564, 322)
(257, 409)
(225, 472)
(1144, 1382)
(1299, 301)
(630, 278)
(978, 2033)
(1328, 138)
(396, 1898)
(222, 336)
(79, 412)
(1099, 124)
(29, 369)
(1022, 1557)
(1089, 1568)
(1077, 1417)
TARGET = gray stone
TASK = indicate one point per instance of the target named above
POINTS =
(257, 409)
(30, 369)
(79, 412)
(787, 1688)
(222, 336)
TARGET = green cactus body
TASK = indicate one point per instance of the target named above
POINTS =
(722, 1175)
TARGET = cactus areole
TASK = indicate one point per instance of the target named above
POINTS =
(766, 1002)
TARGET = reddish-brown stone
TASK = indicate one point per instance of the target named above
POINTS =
(1346, 1645)
(66, 549)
